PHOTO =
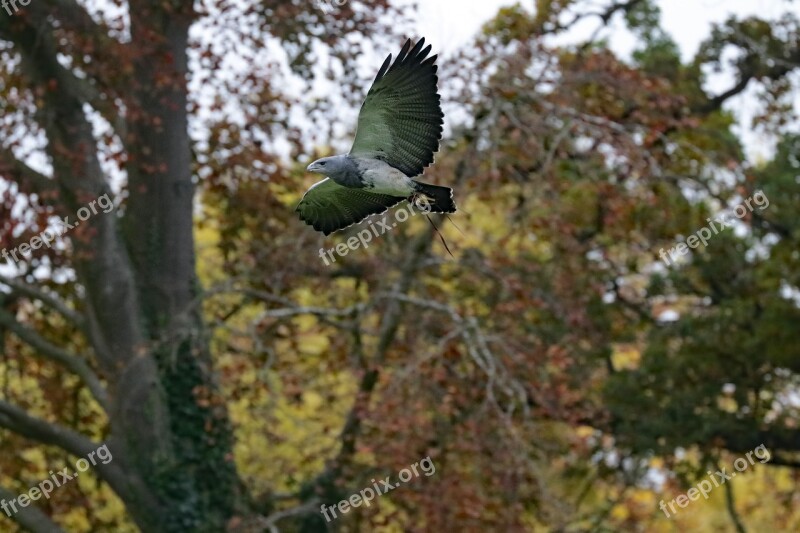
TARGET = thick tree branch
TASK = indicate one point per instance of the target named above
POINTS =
(29, 181)
(391, 321)
(103, 265)
(775, 439)
(68, 15)
(50, 300)
(780, 461)
(74, 18)
(716, 102)
(323, 485)
(730, 505)
(746, 75)
(415, 254)
(68, 360)
(87, 92)
(30, 517)
(604, 16)
(17, 420)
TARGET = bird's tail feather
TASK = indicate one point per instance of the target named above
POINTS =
(440, 199)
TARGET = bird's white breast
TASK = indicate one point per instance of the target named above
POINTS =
(383, 178)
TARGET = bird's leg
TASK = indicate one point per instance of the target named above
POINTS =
(421, 201)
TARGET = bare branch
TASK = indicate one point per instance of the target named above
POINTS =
(477, 346)
(290, 309)
(270, 522)
(285, 312)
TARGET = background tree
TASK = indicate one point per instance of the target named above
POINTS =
(541, 368)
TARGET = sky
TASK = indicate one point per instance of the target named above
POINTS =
(451, 23)
(448, 24)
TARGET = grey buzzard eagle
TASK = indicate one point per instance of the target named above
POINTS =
(399, 128)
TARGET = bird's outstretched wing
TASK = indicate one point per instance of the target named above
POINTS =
(400, 121)
(330, 207)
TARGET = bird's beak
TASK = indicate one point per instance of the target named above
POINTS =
(311, 167)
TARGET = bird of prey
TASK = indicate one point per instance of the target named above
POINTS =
(399, 129)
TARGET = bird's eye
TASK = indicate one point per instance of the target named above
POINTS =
(323, 163)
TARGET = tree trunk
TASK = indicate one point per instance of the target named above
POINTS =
(169, 430)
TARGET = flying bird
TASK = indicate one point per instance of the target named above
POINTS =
(399, 129)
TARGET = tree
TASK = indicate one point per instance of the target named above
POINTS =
(73, 69)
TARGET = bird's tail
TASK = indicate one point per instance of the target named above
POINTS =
(439, 199)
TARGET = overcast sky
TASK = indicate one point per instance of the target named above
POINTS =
(448, 24)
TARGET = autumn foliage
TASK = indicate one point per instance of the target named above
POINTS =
(557, 373)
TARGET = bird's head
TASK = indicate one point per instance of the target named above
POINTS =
(326, 165)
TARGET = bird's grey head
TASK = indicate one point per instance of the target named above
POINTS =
(330, 166)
